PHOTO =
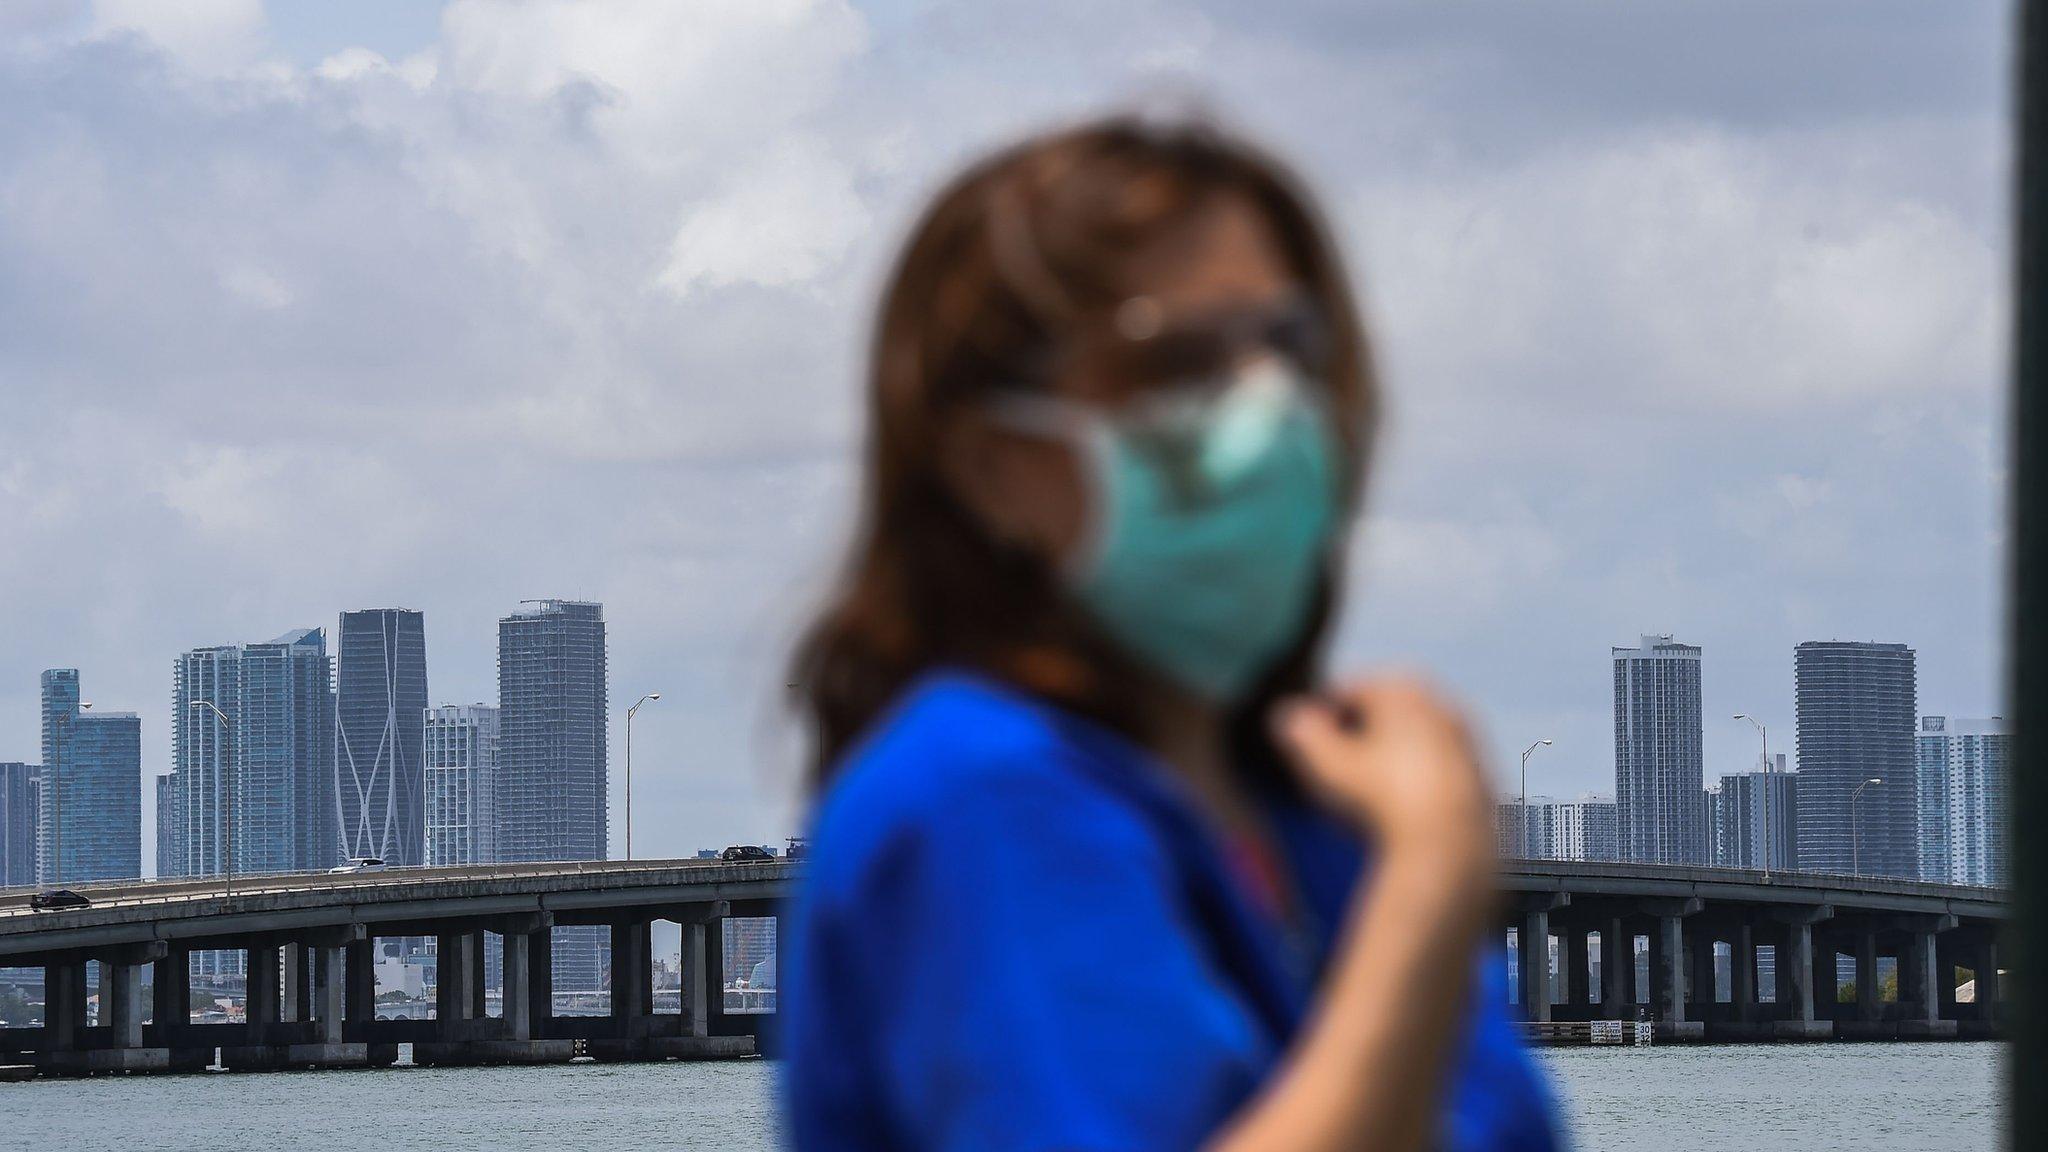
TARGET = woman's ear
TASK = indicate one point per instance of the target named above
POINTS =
(1025, 490)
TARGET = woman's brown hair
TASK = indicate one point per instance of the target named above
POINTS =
(1004, 263)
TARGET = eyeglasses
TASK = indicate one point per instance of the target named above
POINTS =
(1142, 349)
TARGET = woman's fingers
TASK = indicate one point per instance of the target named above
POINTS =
(1390, 753)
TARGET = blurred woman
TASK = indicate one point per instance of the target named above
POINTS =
(1099, 861)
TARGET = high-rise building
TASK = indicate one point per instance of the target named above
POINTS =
(1737, 817)
(1856, 705)
(89, 816)
(750, 952)
(551, 792)
(1962, 768)
(1659, 767)
(18, 785)
(170, 830)
(1582, 829)
(461, 757)
(380, 693)
(250, 785)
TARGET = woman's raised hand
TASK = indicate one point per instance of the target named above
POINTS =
(1396, 758)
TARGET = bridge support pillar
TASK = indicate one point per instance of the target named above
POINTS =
(359, 989)
(1578, 961)
(122, 1009)
(1868, 1009)
(632, 979)
(1795, 963)
(171, 993)
(696, 1001)
(1667, 970)
(714, 975)
(260, 995)
(1702, 989)
(1987, 978)
(455, 975)
(261, 1011)
(1978, 951)
(1532, 965)
(540, 981)
(1617, 969)
(1742, 972)
(515, 995)
(63, 1004)
(526, 996)
(1668, 956)
(327, 1006)
(291, 966)
(1919, 1001)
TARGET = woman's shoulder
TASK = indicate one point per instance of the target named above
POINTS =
(963, 762)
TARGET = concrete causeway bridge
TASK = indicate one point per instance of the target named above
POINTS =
(309, 942)
(1693, 923)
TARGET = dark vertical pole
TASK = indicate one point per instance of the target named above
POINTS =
(359, 992)
(714, 976)
(2028, 1067)
(540, 983)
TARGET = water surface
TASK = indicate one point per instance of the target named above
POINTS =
(1804, 1098)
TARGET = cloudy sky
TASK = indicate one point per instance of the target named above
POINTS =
(1692, 315)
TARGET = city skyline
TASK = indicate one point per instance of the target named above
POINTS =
(552, 659)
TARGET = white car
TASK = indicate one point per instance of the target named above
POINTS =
(359, 864)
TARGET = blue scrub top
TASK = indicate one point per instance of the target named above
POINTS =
(1017, 932)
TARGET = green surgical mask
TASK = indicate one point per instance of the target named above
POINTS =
(1210, 515)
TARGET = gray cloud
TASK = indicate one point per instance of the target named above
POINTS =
(1691, 317)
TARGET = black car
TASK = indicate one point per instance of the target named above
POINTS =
(745, 852)
(57, 898)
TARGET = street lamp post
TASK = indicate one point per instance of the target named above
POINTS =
(630, 713)
(1770, 833)
(1523, 813)
(1855, 845)
(225, 824)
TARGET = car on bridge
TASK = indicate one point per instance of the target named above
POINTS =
(359, 864)
(739, 852)
(57, 898)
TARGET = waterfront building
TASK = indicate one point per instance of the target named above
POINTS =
(1659, 767)
(251, 786)
(380, 694)
(1737, 817)
(89, 816)
(18, 786)
(1582, 829)
(1856, 707)
(1962, 768)
(750, 951)
(551, 780)
(460, 750)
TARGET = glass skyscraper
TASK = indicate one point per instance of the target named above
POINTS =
(18, 785)
(380, 694)
(253, 792)
(1962, 768)
(89, 817)
(170, 831)
(461, 750)
(1856, 705)
(1659, 768)
(552, 779)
